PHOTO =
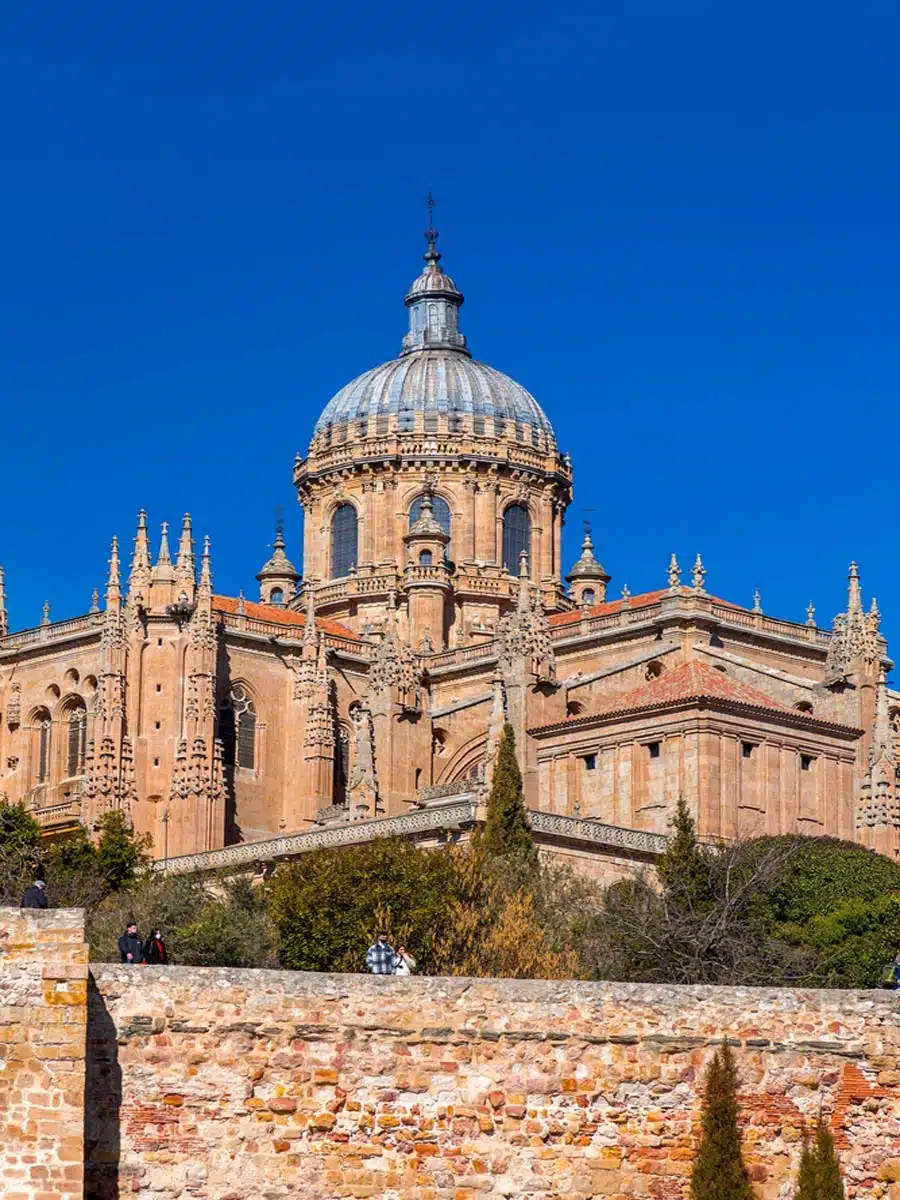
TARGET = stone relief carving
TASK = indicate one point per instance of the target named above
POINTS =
(362, 787)
(524, 636)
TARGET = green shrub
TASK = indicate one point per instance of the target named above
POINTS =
(328, 905)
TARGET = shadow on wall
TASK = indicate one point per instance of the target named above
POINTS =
(103, 1100)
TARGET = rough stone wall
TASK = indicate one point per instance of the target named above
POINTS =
(43, 983)
(227, 1085)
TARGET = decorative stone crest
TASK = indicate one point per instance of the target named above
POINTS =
(855, 637)
(524, 635)
(14, 706)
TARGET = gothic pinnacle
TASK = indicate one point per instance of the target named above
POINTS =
(45, 613)
(139, 576)
(163, 558)
(810, 614)
(757, 601)
(113, 583)
(4, 617)
(184, 562)
(95, 601)
(205, 568)
(698, 574)
(854, 595)
(674, 574)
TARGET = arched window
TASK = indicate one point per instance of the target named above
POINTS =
(276, 596)
(440, 509)
(516, 536)
(425, 558)
(588, 596)
(237, 729)
(76, 745)
(41, 723)
(344, 536)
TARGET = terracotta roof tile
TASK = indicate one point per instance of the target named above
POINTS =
(692, 680)
(280, 616)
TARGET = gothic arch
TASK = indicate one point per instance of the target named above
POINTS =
(40, 745)
(72, 720)
(240, 728)
(517, 534)
(463, 761)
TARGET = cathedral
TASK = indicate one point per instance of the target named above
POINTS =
(367, 695)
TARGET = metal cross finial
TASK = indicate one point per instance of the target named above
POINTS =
(431, 234)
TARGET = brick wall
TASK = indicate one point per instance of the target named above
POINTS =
(257, 1085)
(236, 1085)
(43, 982)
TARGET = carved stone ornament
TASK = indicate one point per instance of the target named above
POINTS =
(854, 639)
(394, 665)
(14, 707)
(524, 636)
(362, 787)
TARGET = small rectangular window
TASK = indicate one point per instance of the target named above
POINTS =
(590, 762)
(156, 762)
(159, 687)
(806, 762)
(747, 749)
(653, 749)
(159, 641)
(156, 725)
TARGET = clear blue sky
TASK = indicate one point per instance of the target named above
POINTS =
(677, 225)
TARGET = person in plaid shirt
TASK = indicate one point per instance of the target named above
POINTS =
(380, 958)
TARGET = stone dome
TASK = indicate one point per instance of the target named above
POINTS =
(433, 381)
(435, 375)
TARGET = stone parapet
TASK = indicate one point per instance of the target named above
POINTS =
(43, 1013)
(240, 1084)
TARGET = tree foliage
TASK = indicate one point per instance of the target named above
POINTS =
(719, 1172)
(205, 922)
(820, 1170)
(506, 833)
(328, 905)
(121, 854)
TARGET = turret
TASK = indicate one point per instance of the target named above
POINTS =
(588, 578)
(279, 577)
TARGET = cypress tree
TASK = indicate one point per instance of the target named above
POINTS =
(506, 833)
(719, 1172)
(684, 868)
(820, 1169)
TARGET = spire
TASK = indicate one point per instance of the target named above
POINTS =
(626, 595)
(184, 563)
(206, 569)
(674, 574)
(698, 574)
(854, 599)
(163, 558)
(113, 583)
(4, 616)
(95, 601)
(757, 601)
(139, 576)
(875, 614)
(435, 323)
(811, 614)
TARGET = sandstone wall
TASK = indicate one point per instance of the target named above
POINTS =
(43, 982)
(228, 1085)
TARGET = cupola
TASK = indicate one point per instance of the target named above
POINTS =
(588, 577)
(279, 577)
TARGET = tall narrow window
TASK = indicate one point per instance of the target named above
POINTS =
(42, 721)
(344, 536)
(77, 743)
(341, 765)
(237, 729)
(516, 536)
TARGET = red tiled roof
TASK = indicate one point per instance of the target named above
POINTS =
(693, 680)
(640, 601)
(280, 616)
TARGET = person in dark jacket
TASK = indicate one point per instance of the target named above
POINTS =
(35, 895)
(155, 950)
(131, 948)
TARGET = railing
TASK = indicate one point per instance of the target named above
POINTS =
(461, 655)
(51, 632)
(239, 623)
(438, 444)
